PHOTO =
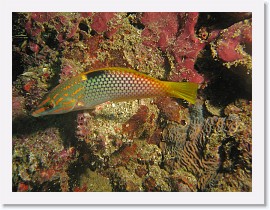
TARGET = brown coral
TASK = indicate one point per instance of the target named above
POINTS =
(135, 125)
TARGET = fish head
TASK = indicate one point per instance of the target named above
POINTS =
(51, 106)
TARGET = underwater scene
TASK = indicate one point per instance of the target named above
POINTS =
(131, 102)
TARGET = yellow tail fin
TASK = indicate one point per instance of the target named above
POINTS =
(184, 90)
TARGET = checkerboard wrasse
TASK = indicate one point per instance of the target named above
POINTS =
(92, 88)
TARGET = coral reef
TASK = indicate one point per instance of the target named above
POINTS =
(90, 181)
(142, 123)
(162, 30)
(40, 164)
(223, 144)
(234, 46)
(161, 144)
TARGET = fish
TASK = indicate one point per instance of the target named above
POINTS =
(94, 87)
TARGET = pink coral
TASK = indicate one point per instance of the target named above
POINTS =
(65, 26)
(86, 14)
(31, 29)
(68, 69)
(82, 127)
(185, 51)
(100, 21)
(42, 16)
(34, 47)
(33, 26)
(230, 39)
(160, 28)
(17, 106)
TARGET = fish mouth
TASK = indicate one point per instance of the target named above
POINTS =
(37, 112)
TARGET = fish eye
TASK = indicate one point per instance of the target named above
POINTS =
(49, 106)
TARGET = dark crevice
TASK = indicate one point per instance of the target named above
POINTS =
(219, 20)
(93, 33)
(136, 23)
(167, 66)
(84, 27)
(49, 36)
(17, 65)
(226, 85)
(229, 151)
